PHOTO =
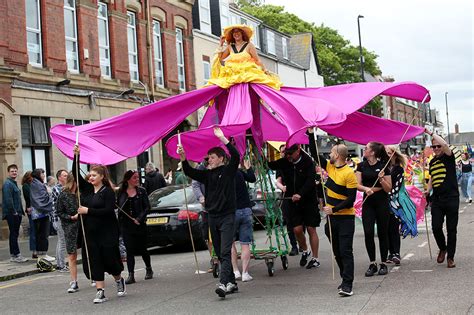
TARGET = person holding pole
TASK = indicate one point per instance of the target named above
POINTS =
(220, 202)
(101, 232)
(444, 199)
(341, 190)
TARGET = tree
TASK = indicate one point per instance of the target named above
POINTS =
(338, 59)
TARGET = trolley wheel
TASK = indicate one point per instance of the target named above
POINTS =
(215, 270)
(284, 262)
(271, 270)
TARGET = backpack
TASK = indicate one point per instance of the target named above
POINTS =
(43, 265)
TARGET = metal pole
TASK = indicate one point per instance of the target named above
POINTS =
(360, 49)
(447, 115)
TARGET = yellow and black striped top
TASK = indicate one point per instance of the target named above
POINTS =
(443, 176)
(340, 180)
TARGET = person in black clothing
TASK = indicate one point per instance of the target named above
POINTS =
(375, 183)
(101, 228)
(133, 200)
(153, 179)
(299, 171)
(243, 221)
(280, 183)
(219, 181)
(444, 199)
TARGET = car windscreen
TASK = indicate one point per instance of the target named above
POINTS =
(171, 196)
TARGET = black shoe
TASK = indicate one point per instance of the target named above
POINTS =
(221, 290)
(372, 270)
(100, 297)
(383, 270)
(345, 291)
(313, 263)
(304, 258)
(121, 287)
(389, 259)
(294, 251)
(339, 288)
(149, 274)
(131, 278)
(396, 259)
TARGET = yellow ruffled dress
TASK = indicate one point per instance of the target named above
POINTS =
(240, 68)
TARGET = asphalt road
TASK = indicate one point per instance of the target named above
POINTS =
(418, 286)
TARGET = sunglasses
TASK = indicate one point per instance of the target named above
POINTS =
(436, 146)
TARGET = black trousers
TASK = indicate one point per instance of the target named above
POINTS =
(376, 211)
(342, 228)
(449, 208)
(14, 222)
(42, 233)
(135, 243)
(394, 235)
(222, 233)
(289, 227)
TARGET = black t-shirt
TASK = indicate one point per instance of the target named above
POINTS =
(443, 176)
(466, 168)
(370, 173)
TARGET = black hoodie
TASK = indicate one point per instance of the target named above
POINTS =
(153, 181)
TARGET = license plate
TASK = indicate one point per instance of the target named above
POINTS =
(153, 221)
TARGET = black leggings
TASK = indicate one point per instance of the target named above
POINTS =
(42, 234)
(376, 211)
(136, 245)
(394, 235)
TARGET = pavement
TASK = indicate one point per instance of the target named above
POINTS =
(419, 285)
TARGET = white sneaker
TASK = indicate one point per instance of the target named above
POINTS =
(467, 200)
(246, 277)
(93, 283)
(49, 258)
(237, 275)
(18, 259)
(73, 287)
(100, 297)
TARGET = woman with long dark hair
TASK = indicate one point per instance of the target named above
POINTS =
(42, 206)
(375, 182)
(26, 188)
(133, 200)
(101, 229)
(66, 210)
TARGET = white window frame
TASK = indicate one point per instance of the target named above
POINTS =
(206, 66)
(205, 24)
(74, 56)
(234, 19)
(284, 44)
(106, 61)
(225, 14)
(255, 38)
(158, 54)
(132, 51)
(37, 32)
(180, 52)
(271, 49)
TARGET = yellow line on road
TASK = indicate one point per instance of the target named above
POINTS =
(23, 282)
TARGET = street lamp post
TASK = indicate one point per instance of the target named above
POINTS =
(360, 49)
(447, 114)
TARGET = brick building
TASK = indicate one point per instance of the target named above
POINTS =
(77, 61)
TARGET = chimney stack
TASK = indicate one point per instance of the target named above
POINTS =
(456, 128)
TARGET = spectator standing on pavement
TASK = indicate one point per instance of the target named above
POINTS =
(25, 187)
(219, 182)
(280, 183)
(42, 205)
(243, 221)
(66, 210)
(101, 228)
(444, 199)
(375, 183)
(153, 179)
(299, 170)
(466, 177)
(13, 212)
(133, 200)
(61, 177)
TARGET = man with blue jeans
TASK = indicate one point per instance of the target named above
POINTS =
(243, 221)
(61, 176)
(13, 212)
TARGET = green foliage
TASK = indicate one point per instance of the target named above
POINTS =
(339, 60)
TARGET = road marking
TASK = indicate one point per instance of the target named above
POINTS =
(422, 270)
(423, 244)
(408, 256)
(395, 269)
(25, 281)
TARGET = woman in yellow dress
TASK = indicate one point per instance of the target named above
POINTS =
(238, 61)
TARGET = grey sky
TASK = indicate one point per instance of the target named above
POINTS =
(426, 41)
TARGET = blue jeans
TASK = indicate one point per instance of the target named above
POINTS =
(243, 226)
(32, 233)
(14, 222)
(466, 185)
